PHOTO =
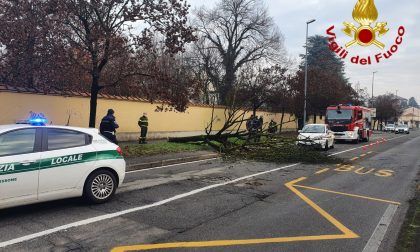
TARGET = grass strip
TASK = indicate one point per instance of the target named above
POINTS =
(139, 150)
(409, 236)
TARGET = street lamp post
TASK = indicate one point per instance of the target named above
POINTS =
(373, 80)
(306, 71)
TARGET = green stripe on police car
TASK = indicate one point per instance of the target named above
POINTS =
(7, 167)
(60, 161)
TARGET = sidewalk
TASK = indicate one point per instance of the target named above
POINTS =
(146, 162)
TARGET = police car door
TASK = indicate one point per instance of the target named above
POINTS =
(19, 165)
(66, 159)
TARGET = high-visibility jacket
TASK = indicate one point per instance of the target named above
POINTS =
(143, 121)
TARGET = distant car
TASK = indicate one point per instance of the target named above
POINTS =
(402, 129)
(41, 163)
(316, 135)
(389, 128)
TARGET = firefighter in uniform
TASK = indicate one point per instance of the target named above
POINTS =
(272, 127)
(108, 126)
(144, 124)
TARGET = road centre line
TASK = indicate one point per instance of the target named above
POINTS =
(349, 194)
(378, 235)
(360, 147)
(363, 155)
(159, 203)
(355, 158)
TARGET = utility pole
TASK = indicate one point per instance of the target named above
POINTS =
(306, 71)
(373, 80)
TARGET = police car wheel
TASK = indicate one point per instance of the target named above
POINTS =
(100, 186)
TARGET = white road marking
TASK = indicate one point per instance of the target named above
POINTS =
(337, 153)
(159, 203)
(378, 235)
(131, 210)
(166, 166)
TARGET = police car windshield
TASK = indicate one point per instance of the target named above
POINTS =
(313, 129)
(342, 114)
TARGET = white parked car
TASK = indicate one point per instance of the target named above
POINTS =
(42, 163)
(316, 134)
(389, 128)
(402, 128)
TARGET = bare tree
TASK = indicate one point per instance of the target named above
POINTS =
(262, 87)
(387, 108)
(234, 33)
(82, 41)
(99, 30)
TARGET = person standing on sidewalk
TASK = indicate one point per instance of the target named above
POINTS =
(108, 126)
(144, 124)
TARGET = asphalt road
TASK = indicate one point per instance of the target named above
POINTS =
(214, 205)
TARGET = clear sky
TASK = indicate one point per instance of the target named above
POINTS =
(400, 72)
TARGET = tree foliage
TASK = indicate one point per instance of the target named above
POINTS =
(327, 84)
(263, 87)
(387, 108)
(412, 102)
(95, 40)
(33, 55)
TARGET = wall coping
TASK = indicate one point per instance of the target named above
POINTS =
(67, 93)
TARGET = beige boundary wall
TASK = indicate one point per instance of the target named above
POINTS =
(75, 110)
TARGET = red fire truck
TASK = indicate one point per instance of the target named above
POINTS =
(348, 122)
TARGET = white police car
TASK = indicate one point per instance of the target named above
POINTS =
(42, 163)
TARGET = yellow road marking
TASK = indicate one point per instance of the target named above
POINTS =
(349, 194)
(346, 233)
(322, 171)
(355, 158)
(221, 243)
(291, 185)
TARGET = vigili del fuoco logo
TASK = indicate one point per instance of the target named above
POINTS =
(365, 33)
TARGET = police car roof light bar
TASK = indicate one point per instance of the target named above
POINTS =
(37, 119)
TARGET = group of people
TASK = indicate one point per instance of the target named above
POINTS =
(109, 126)
(255, 125)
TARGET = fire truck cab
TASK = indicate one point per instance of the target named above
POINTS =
(351, 123)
